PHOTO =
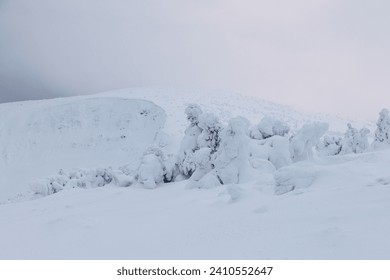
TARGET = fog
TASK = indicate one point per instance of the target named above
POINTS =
(324, 55)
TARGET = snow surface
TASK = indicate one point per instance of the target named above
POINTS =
(326, 208)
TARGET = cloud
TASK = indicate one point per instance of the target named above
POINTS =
(314, 54)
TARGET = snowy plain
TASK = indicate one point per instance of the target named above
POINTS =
(341, 213)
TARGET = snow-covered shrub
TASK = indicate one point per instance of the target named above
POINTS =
(268, 127)
(189, 144)
(49, 185)
(301, 145)
(296, 176)
(193, 111)
(211, 130)
(151, 170)
(81, 178)
(329, 146)
(90, 178)
(354, 141)
(382, 132)
(171, 170)
(102, 177)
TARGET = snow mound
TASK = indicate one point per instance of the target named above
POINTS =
(298, 176)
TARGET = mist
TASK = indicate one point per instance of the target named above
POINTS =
(329, 56)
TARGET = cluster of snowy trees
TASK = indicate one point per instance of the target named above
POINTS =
(213, 154)
(356, 141)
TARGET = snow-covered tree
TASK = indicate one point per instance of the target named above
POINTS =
(350, 140)
(211, 130)
(232, 164)
(193, 111)
(203, 134)
(301, 145)
(208, 142)
(354, 141)
(268, 127)
(382, 132)
(189, 144)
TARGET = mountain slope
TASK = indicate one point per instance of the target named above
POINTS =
(38, 138)
(339, 214)
(343, 215)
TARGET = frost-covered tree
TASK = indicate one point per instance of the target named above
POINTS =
(189, 144)
(350, 140)
(232, 163)
(202, 133)
(211, 130)
(354, 141)
(301, 145)
(208, 142)
(382, 132)
(268, 127)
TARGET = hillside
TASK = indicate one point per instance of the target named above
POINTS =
(335, 210)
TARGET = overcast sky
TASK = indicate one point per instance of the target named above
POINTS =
(324, 55)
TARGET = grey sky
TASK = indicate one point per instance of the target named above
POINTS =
(323, 55)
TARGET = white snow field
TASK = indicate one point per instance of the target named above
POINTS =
(328, 207)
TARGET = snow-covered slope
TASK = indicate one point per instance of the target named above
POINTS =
(114, 128)
(38, 138)
(343, 215)
(338, 213)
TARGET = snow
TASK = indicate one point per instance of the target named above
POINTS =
(38, 138)
(83, 178)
